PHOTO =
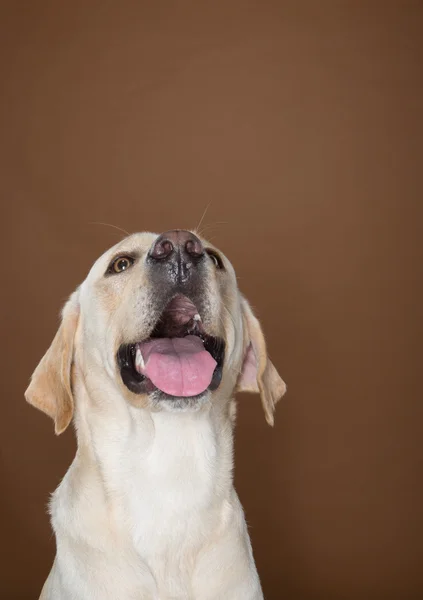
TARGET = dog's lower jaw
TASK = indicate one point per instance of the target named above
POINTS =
(152, 495)
(185, 404)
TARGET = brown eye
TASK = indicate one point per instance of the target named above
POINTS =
(120, 264)
(218, 263)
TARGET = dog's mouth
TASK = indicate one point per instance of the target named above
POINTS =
(179, 358)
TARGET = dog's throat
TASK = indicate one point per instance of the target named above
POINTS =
(176, 366)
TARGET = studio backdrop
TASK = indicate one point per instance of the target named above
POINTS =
(299, 125)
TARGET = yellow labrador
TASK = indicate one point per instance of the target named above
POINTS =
(151, 349)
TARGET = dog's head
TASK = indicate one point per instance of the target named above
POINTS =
(159, 319)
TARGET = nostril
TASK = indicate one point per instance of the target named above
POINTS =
(194, 247)
(162, 249)
(177, 242)
(166, 247)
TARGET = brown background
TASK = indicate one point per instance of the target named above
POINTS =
(302, 124)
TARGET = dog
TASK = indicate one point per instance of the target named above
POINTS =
(151, 349)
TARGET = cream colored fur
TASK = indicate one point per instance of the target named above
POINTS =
(147, 510)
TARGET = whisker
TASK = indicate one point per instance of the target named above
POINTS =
(204, 214)
(211, 225)
(109, 225)
(210, 239)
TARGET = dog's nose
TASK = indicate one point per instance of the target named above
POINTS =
(176, 259)
(177, 241)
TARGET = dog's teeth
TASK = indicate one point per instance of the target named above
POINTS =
(139, 360)
(197, 317)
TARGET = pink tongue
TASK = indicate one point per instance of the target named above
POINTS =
(178, 366)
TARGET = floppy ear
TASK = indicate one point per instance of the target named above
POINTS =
(258, 373)
(50, 389)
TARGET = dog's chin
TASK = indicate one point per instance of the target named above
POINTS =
(160, 400)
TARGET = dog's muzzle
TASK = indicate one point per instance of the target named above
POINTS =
(179, 358)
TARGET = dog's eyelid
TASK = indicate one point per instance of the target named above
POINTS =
(132, 256)
(217, 259)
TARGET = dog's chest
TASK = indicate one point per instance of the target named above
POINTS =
(155, 502)
(170, 488)
(168, 499)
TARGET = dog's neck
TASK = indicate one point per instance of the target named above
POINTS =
(171, 449)
(147, 469)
